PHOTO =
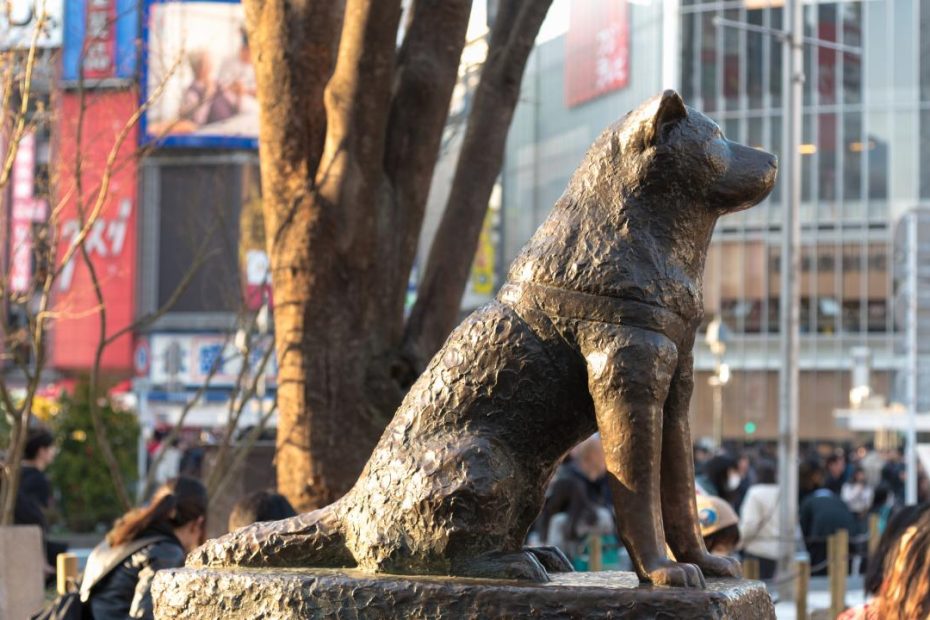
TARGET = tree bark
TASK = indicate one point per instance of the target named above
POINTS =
(453, 248)
(294, 51)
(426, 76)
(350, 129)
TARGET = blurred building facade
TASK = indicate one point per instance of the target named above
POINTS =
(866, 161)
(125, 130)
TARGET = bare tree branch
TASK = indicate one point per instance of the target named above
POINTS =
(357, 100)
(426, 75)
(22, 415)
(25, 92)
(294, 46)
(440, 291)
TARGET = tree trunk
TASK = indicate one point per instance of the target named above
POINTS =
(348, 143)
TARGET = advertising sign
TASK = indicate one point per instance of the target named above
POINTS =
(19, 19)
(196, 55)
(101, 37)
(194, 360)
(597, 49)
(111, 240)
(26, 209)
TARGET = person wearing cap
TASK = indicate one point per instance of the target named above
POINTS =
(719, 524)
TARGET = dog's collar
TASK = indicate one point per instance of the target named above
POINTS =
(568, 304)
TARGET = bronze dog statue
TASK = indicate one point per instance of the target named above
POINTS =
(592, 332)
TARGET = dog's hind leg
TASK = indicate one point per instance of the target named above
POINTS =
(311, 539)
(552, 559)
(503, 565)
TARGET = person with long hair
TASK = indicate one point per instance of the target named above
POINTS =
(898, 574)
(905, 592)
(118, 578)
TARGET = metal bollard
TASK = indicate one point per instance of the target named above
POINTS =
(66, 568)
(751, 568)
(595, 553)
(802, 583)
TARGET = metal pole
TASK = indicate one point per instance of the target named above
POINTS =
(142, 395)
(790, 300)
(910, 489)
(718, 411)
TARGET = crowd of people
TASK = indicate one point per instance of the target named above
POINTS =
(839, 489)
(738, 496)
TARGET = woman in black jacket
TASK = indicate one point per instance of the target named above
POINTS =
(118, 579)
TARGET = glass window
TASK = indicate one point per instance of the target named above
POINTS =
(708, 61)
(924, 164)
(775, 58)
(852, 155)
(852, 286)
(774, 292)
(826, 164)
(877, 156)
(753, 285)
(826, 58)
(851, 20)
(805, 326)
(879, 284)
(731, 62)
(808, 156)
(754, 61)
(924, 50)
(689, 59)
(810, 17)
(199, 220)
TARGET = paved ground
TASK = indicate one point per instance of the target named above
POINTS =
(819, 597)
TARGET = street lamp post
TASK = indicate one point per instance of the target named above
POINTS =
(790, 301)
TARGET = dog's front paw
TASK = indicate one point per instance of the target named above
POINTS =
(717, 566)
(679, 574)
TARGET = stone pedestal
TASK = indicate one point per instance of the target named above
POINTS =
(231, 594)
(22, 580)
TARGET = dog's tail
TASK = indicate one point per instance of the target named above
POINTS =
(311, 539)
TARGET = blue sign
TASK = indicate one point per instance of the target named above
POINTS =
(197, 82)
(102, 39)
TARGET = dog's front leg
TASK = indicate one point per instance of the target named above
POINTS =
(629, 372)
(679, 508)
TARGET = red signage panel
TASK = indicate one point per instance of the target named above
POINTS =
(597, 49)
(110, 240)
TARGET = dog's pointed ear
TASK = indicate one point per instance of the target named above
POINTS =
(671, 109)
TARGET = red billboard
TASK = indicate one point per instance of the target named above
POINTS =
(597, 49)
(110, 241)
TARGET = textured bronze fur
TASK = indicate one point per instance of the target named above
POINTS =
(593, 332)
